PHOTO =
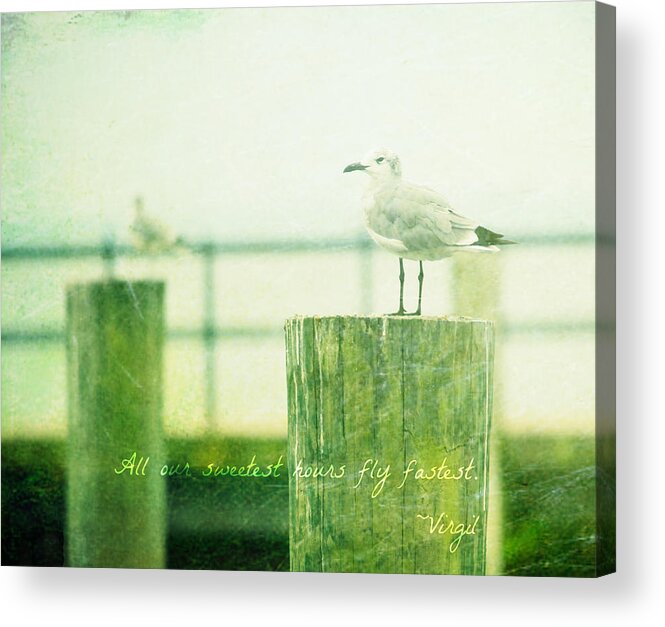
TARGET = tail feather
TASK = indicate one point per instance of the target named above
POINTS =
(490, 238)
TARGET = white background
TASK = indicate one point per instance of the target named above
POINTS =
(106, 597)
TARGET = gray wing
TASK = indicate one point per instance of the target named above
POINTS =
(422, 219)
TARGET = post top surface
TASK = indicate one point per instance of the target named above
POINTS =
(114, 284)
(394, 318)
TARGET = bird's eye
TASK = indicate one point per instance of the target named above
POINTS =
(380, 160)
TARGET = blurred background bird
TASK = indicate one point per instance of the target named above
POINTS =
(150, 235)
(415, 222)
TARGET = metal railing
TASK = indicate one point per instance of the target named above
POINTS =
(210, 332)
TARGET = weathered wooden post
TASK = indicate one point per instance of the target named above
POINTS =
(116, 512)
(389, 421)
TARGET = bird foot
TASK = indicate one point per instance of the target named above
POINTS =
(403, 312)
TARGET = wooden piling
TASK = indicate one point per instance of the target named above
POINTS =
(116, 503)
(389, 394)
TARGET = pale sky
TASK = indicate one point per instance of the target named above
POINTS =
(238, 122)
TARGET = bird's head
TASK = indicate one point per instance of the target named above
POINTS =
(379, 164)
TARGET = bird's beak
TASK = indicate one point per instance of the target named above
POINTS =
(354, 166)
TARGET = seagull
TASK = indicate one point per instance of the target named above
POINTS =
(148, 234)
(415, 222)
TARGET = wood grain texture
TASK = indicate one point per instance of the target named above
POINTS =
(390, 390)
(115, 334)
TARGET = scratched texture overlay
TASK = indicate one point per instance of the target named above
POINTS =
(198, 371)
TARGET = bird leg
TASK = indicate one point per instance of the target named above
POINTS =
(421, 276)
(400, 311)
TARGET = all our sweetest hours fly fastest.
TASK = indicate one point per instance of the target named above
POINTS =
(372, 470)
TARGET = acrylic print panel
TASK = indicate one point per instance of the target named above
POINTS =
(309, 289)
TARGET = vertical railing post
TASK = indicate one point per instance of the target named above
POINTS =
(109, 255)
(209, 334)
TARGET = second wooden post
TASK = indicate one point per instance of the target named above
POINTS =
(389, 423)
(116, 496)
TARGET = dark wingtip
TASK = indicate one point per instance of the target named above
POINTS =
(489, 238)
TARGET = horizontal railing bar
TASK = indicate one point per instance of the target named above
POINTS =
(200, 248)
(521, 328)
(266, 247)
(262, 333)
(57, 336)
